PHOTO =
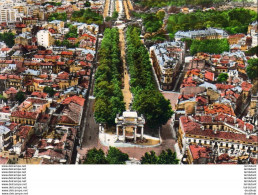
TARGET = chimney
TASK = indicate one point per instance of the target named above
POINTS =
(247, 136)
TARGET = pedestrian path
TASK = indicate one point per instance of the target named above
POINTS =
(126, 90)
(126, 10)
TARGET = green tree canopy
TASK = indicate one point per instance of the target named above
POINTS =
(155, 108)
(149, 158)
(58, 16)
(115, 156)
(252, 51)
(8, 38)
(209, 46)
(88, 16)
(95, 156)
(114, 14)
(233, 20)
(166, 157)
(108, 93)
(20, 96)
(223, 77)
(87, 4)
(49, 90)
(252, 68)
(147, 99)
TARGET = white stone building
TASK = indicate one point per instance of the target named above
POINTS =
(8, 14)
(44, 38)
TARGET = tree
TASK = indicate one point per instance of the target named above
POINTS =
(87, 4)
(108, 18)
(88, 16)
(252, 51)
(223, 77)
(149, 158)
(168, 157)
(109, 97)
(115, 156)
(49, 90)
(252, 68)
(209, 46)
(58, 16)
(233, 20)
(114, 14)
(155, 108)
(20, 96)
(2, 97)
(95, 156)
(8, 38)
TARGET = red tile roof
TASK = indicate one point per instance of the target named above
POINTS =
(63, 76)
(3, 160)
(11, 90)
(76, 99)
(5, 109)
(192, 128)
(219, 108)
(39, 94)
(23, 131)
(66, 120)
(23, 114)
(71, 39)
(246, 86)
(223, 86)
(209, 75)
(20, 25)
(5, 49)
(241, 35)
(67, 53)
(198, 152)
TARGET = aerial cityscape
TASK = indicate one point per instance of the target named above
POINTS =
(128, 82)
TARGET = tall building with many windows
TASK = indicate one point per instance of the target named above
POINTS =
(8, 14)
(44, 38)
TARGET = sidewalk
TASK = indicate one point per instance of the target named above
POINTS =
(126, 90)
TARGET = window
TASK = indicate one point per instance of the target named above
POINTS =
(189, 140)
(243, 147)
(194, 141)
(205, 142)
(226, 145)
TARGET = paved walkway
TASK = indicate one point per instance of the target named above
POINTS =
(130, 5)
(126, 90)
(126, 10)
(135, 152)
(117, 6)
(105, 13)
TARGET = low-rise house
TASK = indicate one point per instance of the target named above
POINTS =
(23, 117)
(5, 138)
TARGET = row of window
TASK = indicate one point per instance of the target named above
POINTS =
(221, 144)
